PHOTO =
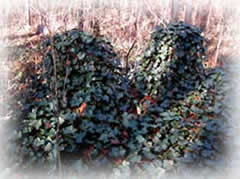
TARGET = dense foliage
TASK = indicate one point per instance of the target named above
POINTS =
(91, 97)
(172, 63)
(180, 101)
(171, 111)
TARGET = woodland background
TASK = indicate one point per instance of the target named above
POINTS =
(124, 21)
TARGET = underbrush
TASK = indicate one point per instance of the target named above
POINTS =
(166, 112)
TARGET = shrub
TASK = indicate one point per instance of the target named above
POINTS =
(189, 130)
(180, 114)
(91, 96)
(172, 63)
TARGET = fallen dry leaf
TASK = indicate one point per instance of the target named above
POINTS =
(82, 109)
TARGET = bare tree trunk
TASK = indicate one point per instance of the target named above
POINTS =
(195, 14)
(80, 17)
(188, 12)
(119, 9)
(174, 10)
(103, 7)
(171, 7)
(209, 15)
(95, 21)
(218, 46)
(28, 14)
(130, 6)
(220, 39)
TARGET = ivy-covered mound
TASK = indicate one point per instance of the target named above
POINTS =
(176, 113)
(180, 102)
(190, 130)
(172, 63)
(91, 95)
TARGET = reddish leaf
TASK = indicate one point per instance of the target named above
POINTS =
(23, 86)
(114, 141)
(196, 130)
(125, 134)
(193, 116)
(146, 98)
(82, 109)
(197, 124)
(117, 161)
(104, 152)
(87, 153)
(48, 125)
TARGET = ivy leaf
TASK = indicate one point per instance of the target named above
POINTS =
(48, 147)
(69, 130)
(140, 139)
(71, 116)
(79, 137)
(81, 55)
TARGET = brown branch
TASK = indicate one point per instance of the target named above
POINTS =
(58, 155)
(127, 56)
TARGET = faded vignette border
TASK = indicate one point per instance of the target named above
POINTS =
(234, 157)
